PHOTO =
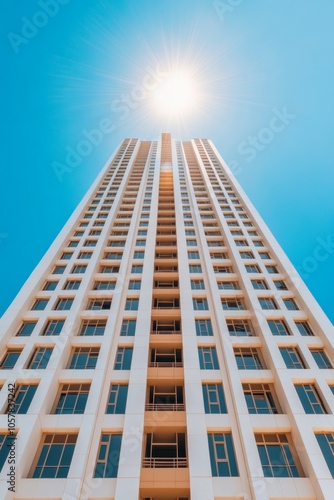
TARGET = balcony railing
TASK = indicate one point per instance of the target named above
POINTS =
(165, 364)
(167, 463)
(165, 332)
(164, 407)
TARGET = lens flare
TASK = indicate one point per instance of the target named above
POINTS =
(176, 95)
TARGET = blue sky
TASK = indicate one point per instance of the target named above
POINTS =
(70, 65)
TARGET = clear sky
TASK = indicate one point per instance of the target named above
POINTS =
(69, 65)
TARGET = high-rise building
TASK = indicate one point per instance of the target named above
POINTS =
(165, 348)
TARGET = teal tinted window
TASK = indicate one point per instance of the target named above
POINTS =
(214, 400)
(222, 456)
(117, 399)
(108, 455)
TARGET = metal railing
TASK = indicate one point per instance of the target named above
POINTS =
(167, 463)
(164, 407)
(165, 364)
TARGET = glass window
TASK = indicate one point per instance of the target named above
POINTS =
(291, 357)
(55, 456)
(6, 441)
(278, 327)
(128, 328)
(131, 304)
(203, 327)
(54, 327)
(78, 269)
(117, 399)
(72, 399)
(123, 358)
(138, 255)
(239, 328)
(277, 455)
(304, 328)
(280, 285)
(72, 285)
(93, 327)
(50, 285)
(26, 328)
(267, 303)
(104, 285)
(137, 269)
(208, 359)
(197, 285)
(9, 360)
(40, 358)
(310, 398)
(272, 269)
(24, 394)
(232, 304)
(200, 304)
(264, 255)
(248, 358)
(195, 268)
(66, 256)
(252, 269)
(64, 304)
(222, 456)
(320, 357)
(193, 255)
(290, 304)
(40, 304)
(259, 285)
(261, 399)
(59, 270)
(214, 399)
(228, 285)
(191, 243)
(84, 358)
(134, 284)
(99, 305)
(326, 443)
(108, 455)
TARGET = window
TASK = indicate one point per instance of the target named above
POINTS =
(9, 359)
(208, 359)
(90, 243)
(40, 358)
(73, 244)
(248, 358)
(92, 327)
(40, 304)
(195, 268)
(261, 399)
(310, 398)
(222, 456)
(304, 328)
(264, 255)
(137, 269)
(200, 304)
(320, 357)
(50, 285)
(6, 441)
(23, 397)
(138, 255)
(113, 255)
(203, 327)
(280, 285)
(55, 456)
(72, 399)
(78, 233)
(190, 232)
(292, 358)
(228, 285)
(232, 304)
(239, 328)
(54, 327)
(134, 284)
(117, 399)
(84, 358)
(259, 285)
(128, 328)
(193, 255)
(66, 256)
(108, 455)
(252, 268)
(197, 285)
(278, 327)
(140, 243)
(214, 399)
(267, 303)
(247, 255)
(26, 329)
(131, 304)
(326, 443)
(290, 304)
(104, 285)
(277, 455)
(72, 285)
(191, 243)
(272, 269)
(241, 243)
(99, 305)
(257, 243)
(78, 269)
(123, 358)
(64, 304)
(59, 270)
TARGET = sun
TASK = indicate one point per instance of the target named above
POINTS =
(176, 95)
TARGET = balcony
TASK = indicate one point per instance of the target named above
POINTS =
(166, 327)
(166, 303)
(167, 398)
(165, 451)
(167, 357)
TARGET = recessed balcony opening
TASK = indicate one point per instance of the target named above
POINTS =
(165, 450)
(165, 398)
(166, 358)
(165, 327)
(166, 284)
(172, 303)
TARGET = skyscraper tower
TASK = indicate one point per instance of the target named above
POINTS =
(165, 348)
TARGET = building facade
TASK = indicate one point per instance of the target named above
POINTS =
(165, 348)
